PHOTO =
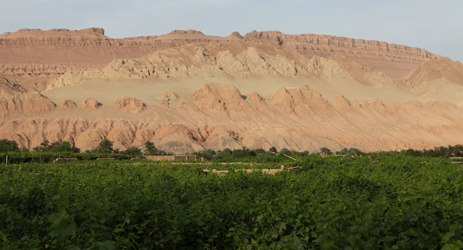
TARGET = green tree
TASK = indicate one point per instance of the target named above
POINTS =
(64, 146)
(44, 147)
(226, 152)
(260, 151)
(208, 154)
(342, 151)
(244, 152)
(325, 150)
(150, 148)
(105, 146)
(133, 151)
(354, 151)
(273, 150)
(285, 151)
(8, 146)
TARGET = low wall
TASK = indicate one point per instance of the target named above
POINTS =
(174, 158)
(65, 159)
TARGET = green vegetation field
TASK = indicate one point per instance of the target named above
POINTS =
(385, 202)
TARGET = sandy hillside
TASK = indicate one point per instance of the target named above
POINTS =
(230, 94)
(219, 116)
(35, 54)
(248, 66)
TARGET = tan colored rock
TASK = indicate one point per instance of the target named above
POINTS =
(214, 96)
(301, 101)
(37, 104)
(177, 139)
(236, 34)
(286, 138)
(15, 106)
(165, 103)
(167, 96)
(170, 95)
(122, 133)
(67, 105)
(342, 103)
(12, 106)
(89, 104)
(434, 70)
(9, 88)
(392, 59)
(227, 59)
(296, 119)
(219, 116)
(89, 49)
(222, 138)
(327, 68)
(296, 116)
(3, 108)
(129, 105)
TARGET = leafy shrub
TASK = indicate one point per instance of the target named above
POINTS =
(8, 146)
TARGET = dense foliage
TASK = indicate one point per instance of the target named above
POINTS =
(47, 152)
(330, 203)
(8, 146)
(449, 151)
(251, 155)
(260, 155)
(64, 146)
(48, 157)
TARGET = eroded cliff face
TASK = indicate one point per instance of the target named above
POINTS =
(9, 87)
(392, 59)
(37, 53)
(302, 92)
(28, 105)
(236, 59)
(330, 45)
(220, 116)
(440, 79)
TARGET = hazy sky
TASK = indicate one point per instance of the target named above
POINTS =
(435, 25)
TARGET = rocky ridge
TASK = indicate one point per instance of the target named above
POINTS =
(29, 105)
(129, 105)
(369, 52)
(9, 87)
(219, 116)
(33, 53)
(281, 76)
(89, 104)
(443, 68)
(231, 59)
(67, 105)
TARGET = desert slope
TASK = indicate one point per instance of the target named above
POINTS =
(250, 66)
(187, 91)
(34, 52)
(392, 59)
(220, 116)
(440, 79)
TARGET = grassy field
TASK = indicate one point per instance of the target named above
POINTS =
(328, 203)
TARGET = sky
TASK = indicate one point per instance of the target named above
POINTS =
(435, 25)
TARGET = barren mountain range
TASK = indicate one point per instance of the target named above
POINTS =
(187, 91)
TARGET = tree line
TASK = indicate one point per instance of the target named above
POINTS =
(106, 146)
